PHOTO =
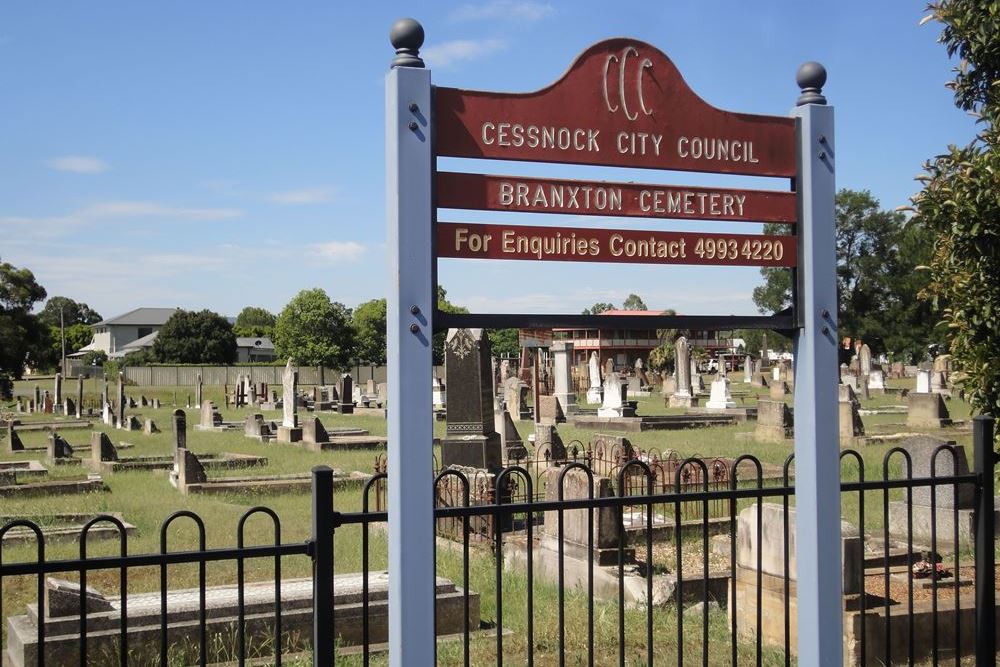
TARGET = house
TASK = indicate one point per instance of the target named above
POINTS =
(113, 334)
(627, 345)
(250, 349)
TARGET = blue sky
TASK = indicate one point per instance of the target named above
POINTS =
(230, 153)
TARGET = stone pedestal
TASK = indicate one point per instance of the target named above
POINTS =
(289, 433)
(472, 451)
(562, 353)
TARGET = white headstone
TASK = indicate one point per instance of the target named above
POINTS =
(923, 382)
(562, 352)
(612, 405)
(720, 398)
(289, 380)
(747, 369)
(594, 391)
(876, 380)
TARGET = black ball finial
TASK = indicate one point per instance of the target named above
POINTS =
(811, 78)
(407, 36)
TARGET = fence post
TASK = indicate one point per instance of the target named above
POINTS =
(985, 459)
(322, 555)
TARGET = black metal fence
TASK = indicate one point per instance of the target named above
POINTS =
(903, 604)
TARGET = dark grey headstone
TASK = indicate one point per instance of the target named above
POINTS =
(921, 448)
(470, 437)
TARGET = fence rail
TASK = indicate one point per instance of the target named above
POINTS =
(884, 621)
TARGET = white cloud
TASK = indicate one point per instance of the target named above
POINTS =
(317, 195)
(450, 53)
(344, 251)
(144, 209)
(79, 164)
(503, 9)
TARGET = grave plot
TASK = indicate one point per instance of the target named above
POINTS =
(11, 487)
(13, 442)
(211, 419)
(61, 618)
(104, 457)
(318, 438)
(189, 476)
(18, 470)
(63, 528)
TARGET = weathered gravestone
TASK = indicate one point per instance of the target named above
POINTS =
(149, 427)
(313, 431)
(550, 410)
(14, 443)
(774, 422)
(614, 403)
(565, 393)
(720, 398)
(511, 443)
(198, 391)
(865, 360)
(926, 410)
(923, 382)
(948, 506)
(179, 423)
(594, 393)
(548, 443)
(683, 396)
(346, 406)
(876, 382)
(289, 431)
(211, 418)
(120, 406)
(58, 448)
(57, 393)
(577, 529)
(470, 437)
(850, 422)
(101, 448)
(79, 397)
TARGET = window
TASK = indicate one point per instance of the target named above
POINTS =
(145, 331)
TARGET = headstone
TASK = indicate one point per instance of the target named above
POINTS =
(926, 410)
(511, 443)
(439, 398)
(255, 427)
(470, 437)
(179, 422)
(62, 599)
(549, 410)
(938, 383)
(668, 384)
(948, 503)
(565, 393)
(548, 444)
(683, 396)
(57, 393)
(314, 432)
(289, 431)
(210, 417)
(923, 382)
(778, 390)
(747, 370)
(155, 403)
(346, 406)
(198, 399)
(68, 407)
(149, 427)
(865, 359)
(772, 545)
(504, 370)
(774, 422)
(515, 397)
(850, 422)
(609, 366)
(576, 527)
(143, 401)
(79, 397)
(594, 396)
(120, 406)
(697, 382)
(38, 399)
(720, 398)
(47, 405)
(14, 443)
(614, 397)
(131, 423)
(850, 380)
(58, 448)
(189, 470)
(876, 382)
(101, 448)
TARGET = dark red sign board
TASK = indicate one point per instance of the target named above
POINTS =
(576, 244)
(544, 195)
(622, 103)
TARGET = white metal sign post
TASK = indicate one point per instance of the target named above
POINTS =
(410, 331)
(817, 436)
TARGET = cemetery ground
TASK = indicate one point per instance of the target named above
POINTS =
(145, 499)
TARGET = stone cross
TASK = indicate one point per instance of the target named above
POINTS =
(289, 408)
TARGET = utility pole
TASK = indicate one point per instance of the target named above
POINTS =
(62, 336)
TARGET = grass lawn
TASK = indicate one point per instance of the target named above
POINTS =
(145, 499)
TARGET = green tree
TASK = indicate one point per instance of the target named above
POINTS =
(72, 312)
(444, 306)
(598, 308)
(875, 280)
(254, 322)
(634, 302)
(77, 336)
(201, 337)
(23, 338)
(661, 358)
(312, 330)
(370, 329)
(504, 342)
(960, 206)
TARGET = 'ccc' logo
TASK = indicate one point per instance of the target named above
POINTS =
(621, 62)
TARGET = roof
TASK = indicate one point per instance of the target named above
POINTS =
(615, 311)
(139, 343)
(255, 342)
(156, 317)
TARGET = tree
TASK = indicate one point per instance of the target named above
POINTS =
(959, 205)
(78, 336)
(370, 329)
(71, 312)
(876, 282)
(598, 308)
(312, 330)
(254, 322)
(634, 302)
(661, 358)
(444, 306)
(190, 337)
(504, 342)
(24, 338)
